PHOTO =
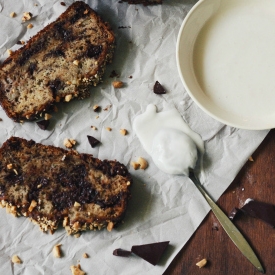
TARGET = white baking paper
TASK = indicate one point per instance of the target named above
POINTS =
(163, 207)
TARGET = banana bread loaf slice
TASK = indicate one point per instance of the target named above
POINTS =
(57, 64)
(53, 186)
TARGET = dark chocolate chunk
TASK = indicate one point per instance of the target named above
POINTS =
(150, 252)
(158, 89)
(260, 210)
(121, 252)
(234, 213)
(93, 141)
(43, 124)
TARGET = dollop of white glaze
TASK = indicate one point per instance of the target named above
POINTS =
(168, 139)
(174, 152)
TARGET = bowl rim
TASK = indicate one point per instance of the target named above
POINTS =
(241, 125)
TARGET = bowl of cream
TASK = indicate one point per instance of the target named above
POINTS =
(226, 60)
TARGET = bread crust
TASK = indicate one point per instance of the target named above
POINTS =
(53, 186)
(64, 59)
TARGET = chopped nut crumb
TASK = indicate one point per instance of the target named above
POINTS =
(30, 26)
(15, 171)
(110, 226)
(201, 263)
(76, 204)
(16, 260)
(69, 142)
(128, 183)
(10, 166)
(32, 205)
(97, 117)
(135, 165)
(76, 270)
(250, 158)
(47, 116)
(57, 251)
(63, 158)
(123, 132)
(10, 52)
(76, 62)
(142, 162)
(68, 98)
(94, 128)
(117, 84)
(107, 107)
(109, 129)
(12, 14)
(26, 16)
(77, 235)
(85, 255)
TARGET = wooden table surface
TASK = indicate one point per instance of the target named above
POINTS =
(256, 180)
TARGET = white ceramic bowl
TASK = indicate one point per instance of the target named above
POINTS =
(226, 60)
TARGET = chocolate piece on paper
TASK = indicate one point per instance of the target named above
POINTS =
(121, 252)
(150, 252)
(158, 89)
(43, 124)
(260, 210)
(93, 141)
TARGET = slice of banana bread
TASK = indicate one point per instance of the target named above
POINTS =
(51, 186)
(58, 63)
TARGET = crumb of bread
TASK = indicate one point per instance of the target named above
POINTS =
(76, 270)
(16, 260)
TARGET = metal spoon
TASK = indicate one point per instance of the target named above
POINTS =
(231, 230)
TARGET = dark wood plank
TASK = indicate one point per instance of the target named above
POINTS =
(255, 180)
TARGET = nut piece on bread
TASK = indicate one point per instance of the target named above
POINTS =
(43, 70)
(46, 189)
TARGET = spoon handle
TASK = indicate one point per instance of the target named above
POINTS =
(231, 230)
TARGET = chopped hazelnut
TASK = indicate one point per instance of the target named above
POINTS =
(128, 183)
(57, 251)
(47, 116)
(123, 132)
(109, 129)
(69, 142)
(16, 260)
(76, 204)
(110, 226)
(201, 263)
(142, 162)
(26, 16)
(30, 26)
(10, 166)
(250, 158)
(32, 205)
(117, 84)
(76, 270)
(76, 62)
(135, 165)
(10, 52)
(85, 255)
(65, 221)
(12, 14)
(68, 98)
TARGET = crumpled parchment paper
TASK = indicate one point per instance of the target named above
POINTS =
(163, 207)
